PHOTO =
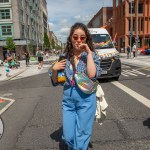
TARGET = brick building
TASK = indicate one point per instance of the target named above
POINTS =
(100, 19)
(123, 20)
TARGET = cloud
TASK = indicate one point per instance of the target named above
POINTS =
(62, 14)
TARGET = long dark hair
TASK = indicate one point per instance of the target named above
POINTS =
(69, 46)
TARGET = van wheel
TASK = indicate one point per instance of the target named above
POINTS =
(116, 78)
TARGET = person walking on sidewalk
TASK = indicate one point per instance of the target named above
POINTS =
(128, 51)
(27, 57)
(39, 55)
(134, 50)
(7, 69)
(78, 108)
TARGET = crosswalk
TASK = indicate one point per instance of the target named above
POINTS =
(127, 71)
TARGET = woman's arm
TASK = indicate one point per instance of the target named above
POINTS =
(91, 68)
(56, 67)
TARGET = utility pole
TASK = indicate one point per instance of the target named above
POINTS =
(137, 37)
(131, 27)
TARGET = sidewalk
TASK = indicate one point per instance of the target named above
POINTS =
(31, 70)
(140, 60)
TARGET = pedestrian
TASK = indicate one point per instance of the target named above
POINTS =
(18, 56)
(27, 58)
(78, 108)
(39, 55)
(134, 50)
(47, 55)
(7, 69)
(128, 51)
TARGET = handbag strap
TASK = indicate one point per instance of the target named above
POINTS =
(73, 64)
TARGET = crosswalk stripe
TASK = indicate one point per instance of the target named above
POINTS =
(138, 72)
(129, 73)
(148, 69)
(124, 74)
(133, 94)
(125, 66)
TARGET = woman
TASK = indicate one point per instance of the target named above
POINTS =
(39, 54)
(78, 108)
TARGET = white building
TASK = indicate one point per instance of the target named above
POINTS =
(23, 20)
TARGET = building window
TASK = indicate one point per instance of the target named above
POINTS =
(6, 30)
(134, 25)
(21, 3)
(123, 11)
(5, 14)
(4, 1)
(22, 31)
(21, 15)
(140, 8)
(142, 25)
(133, 7)
(116, 2)
(129, 25)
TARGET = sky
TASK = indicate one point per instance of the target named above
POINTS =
(62, 14)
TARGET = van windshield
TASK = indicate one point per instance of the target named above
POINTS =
(102, 41)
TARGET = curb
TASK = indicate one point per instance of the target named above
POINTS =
(16, 74)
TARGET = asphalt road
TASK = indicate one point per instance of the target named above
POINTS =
(33, 122)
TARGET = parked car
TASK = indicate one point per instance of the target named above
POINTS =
(147, 51)
(141, 51)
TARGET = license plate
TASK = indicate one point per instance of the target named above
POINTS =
(104, 72)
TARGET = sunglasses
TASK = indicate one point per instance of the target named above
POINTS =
(82, 38)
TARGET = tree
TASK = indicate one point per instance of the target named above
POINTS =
(30, 47)
(46, 41)
(10, 45)
(53, 44)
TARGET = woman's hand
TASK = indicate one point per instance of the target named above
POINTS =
(59, 65)
(85, 48)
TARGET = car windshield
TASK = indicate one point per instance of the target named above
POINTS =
(102, 41)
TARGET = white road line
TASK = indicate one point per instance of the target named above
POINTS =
(129, 73)
(8, 105)
(125, 66)
(124, 74)
(133, 94)
(138, 72)
(148, 69)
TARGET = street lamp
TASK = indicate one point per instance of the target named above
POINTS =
(131, 26)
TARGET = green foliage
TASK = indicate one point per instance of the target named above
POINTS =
(58, 47)
(30, 47)
(46, 41)
(53, 44)
(10, 45)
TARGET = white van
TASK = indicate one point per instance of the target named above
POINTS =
(110, 62)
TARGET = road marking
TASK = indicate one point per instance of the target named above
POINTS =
(133, 72)
(133, 94)
(124, 74)
(10, 102)
(138, 72)
(7, 94)
(128, 72)
(125, 66)
(148, 69)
